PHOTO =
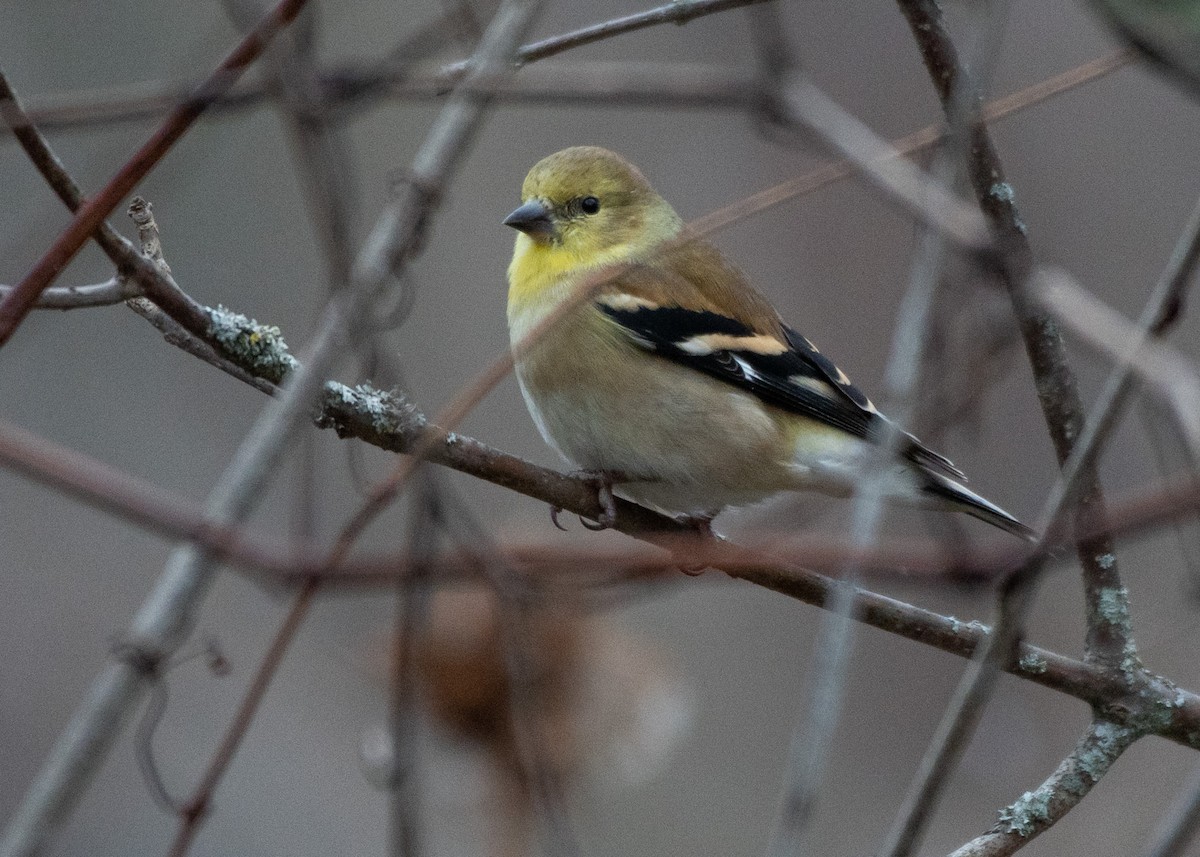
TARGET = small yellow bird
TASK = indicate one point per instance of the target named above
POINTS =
(677, 382)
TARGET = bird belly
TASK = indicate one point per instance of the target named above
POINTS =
(685, 442)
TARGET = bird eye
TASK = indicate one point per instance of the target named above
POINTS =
(589, 205)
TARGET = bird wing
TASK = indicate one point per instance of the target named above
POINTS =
(737, 338)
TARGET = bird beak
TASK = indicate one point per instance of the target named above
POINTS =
(533, 218)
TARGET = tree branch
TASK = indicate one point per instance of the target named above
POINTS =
(1036, 811)
(169, 610)
(91, 213)
(114, 291)
(1057, 389)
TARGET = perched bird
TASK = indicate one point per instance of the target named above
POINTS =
(676, 383)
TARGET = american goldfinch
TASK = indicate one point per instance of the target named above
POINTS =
(676, 383)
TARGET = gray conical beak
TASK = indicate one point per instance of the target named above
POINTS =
(533, 218)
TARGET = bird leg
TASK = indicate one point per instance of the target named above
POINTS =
(603, 481)
(702, 524)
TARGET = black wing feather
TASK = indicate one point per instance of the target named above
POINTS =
(767, 376)
(778, 379)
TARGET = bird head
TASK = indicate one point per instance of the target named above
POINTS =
(591, 204)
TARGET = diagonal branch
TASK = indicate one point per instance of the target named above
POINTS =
(155, 282)
(170, 608)
(1035, 812)
(1109, 640)
(92, 212)
(1155, 705)
(1057, 388)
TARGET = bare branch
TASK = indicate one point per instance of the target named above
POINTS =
(685, 85)
(412, 613)
(114, 291)
(883, 166)
(1036, 811)
(322, 159)
(197, 806)
(92, 212)
(1145, 703)
(397, 237)
(175, 334)
(1171, 374)
(1070, 307)
(1107, 641)
(1057, 388)
(168, 612)
(153, 280)
(678, 12)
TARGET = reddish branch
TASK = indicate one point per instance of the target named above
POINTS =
(197, 807)
(131, 265)
(92, 212)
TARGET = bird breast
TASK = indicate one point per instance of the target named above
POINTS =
(689, 442)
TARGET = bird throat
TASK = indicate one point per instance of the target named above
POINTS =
(541, 273)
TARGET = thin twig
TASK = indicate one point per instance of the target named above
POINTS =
(198, 805)
(92, 212)
(321, 156)
(148, 723)
(1057, 388)
(412, 609)
(114, 291)
(154, 281)
(1036, 811)
(1058, 395)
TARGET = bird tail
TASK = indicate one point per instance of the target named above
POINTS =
(967, 501)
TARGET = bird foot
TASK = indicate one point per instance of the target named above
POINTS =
(702, 524)
(603, 481)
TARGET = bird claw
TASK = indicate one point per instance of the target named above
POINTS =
(554, 512)
(702, 524)
(608, 504)
(603, 480)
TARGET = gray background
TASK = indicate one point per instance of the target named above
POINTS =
(1105, 177)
